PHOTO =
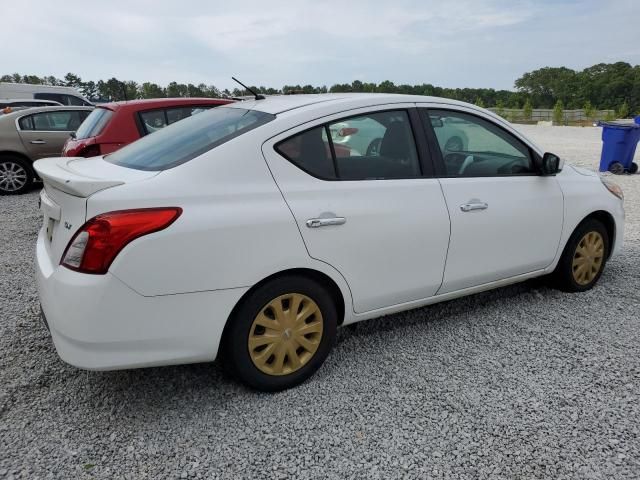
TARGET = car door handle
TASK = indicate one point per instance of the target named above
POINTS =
(37, 142)
(324, 222)
(468, 207)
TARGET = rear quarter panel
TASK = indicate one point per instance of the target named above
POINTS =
(235, 229)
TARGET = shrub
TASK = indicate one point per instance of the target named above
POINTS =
(558, 113)
(527, 111)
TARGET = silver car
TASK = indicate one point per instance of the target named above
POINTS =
(30, 134)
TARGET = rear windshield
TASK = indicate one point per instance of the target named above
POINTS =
(187, 139)
(94, 123)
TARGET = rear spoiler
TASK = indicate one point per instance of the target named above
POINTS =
(57, 173)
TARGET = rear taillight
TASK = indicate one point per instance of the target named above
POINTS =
(89, 151)
(95, 245)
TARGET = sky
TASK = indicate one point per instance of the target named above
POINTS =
(454, 43)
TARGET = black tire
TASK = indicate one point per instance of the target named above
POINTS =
(633, 168)
(236, 356)
(563, 276)
(616, 168)
(16, 175)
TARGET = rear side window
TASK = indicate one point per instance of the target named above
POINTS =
(153, 120)
(367, 147)
(176, 114)
(188, 139)
(60, 121)
(94, 124)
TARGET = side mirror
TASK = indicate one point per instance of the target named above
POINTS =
(436, 122)
(551, 164)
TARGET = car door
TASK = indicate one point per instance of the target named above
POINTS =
(375, 214)
(506, 218)
(43, 134)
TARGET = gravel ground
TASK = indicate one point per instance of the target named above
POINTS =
(522, 382)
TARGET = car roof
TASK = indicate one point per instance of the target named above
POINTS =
(162, 102)
(31, 110)
(283, 103)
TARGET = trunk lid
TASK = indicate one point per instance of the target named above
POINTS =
(68, 183)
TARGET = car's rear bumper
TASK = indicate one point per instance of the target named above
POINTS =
(99, 323)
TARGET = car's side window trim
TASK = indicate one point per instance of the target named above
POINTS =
(434, 148)
(425, 157)
(332, 149)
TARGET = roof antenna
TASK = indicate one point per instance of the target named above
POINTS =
(256, 95)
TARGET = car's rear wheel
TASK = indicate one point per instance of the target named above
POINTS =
(584, 257)
(16, 175)
(280, 334)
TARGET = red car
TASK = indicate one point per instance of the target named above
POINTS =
(113, 125)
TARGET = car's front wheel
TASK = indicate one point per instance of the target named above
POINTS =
(16, 175)
(584, 257)
(280, 334)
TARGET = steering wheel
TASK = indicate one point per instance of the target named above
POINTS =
(466, 162)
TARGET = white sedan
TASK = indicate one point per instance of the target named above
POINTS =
(245, 232)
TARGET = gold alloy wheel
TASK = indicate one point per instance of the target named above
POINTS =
(286, 334)
(588, 257)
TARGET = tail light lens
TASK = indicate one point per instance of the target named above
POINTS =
(97, 243)
(89, 151)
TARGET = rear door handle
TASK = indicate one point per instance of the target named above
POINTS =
(38, 142)
(468, 207)
(324, 222)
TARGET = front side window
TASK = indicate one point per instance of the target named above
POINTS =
(60, 121)
(475, 147)
(56, 97)
(188, 139)
(366, 147)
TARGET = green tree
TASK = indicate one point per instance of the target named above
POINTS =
(151, 90)
(500, 108)
(72, 80)
(558, 113)
(89, 89)
(527, 110)
(479, 102)
(623, 111)
(589, 111)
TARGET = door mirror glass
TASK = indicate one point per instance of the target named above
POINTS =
(550, 164)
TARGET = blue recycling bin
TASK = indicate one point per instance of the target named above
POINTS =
(619, 141)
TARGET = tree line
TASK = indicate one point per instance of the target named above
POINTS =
(605, 86)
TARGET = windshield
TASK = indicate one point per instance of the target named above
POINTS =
(94, 123)
(187, 139)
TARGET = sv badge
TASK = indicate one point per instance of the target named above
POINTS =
(67, 225)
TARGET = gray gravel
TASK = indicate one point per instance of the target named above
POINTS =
(522, 382)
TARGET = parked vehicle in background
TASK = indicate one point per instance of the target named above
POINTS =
(244, 232)
(63, 95)
(114, 125)
(7, 106)
(29, 134)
